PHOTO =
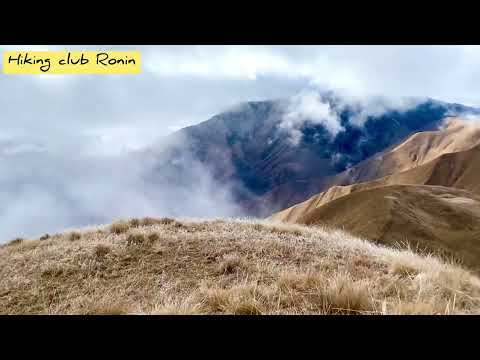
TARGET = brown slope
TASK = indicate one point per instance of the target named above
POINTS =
(460, 170)
(455, 136)
(433, 218)
(420, 148)
(399, 207)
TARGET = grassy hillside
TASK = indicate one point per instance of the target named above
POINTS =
(413, 161)
(459, 170)
(165, 266)
(420, 148)
(399, 208)
(436, 218)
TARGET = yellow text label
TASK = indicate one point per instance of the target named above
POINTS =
(71, 62)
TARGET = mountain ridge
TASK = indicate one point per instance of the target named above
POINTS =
(433, 204)
(247, 150)
(436, 171)
(433, 218)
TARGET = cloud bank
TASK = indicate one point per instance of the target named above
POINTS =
(308, 106)
(44, 192)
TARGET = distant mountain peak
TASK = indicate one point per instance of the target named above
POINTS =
(259, 146)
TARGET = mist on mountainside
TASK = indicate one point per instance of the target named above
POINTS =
(224, 167)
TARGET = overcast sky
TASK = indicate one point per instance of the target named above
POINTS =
(183, 85)
(67, 115)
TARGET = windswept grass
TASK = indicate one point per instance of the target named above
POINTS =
(167, 266)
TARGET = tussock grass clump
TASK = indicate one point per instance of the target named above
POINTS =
(238, 300)
(16, 241)
(420, 308)
(345, 295)
(104, 307)
(279, 228)
(403, 269)
(167, 221)
(119, 227)
(232, 264)
(293, 281)
(52, 271)
(134, 222)
(109, 310)
(227, 267)
(338, 294)
(153, 237)
(74, 236)
(101, 250)
(177, 308)
(136, 239)
(149, 221)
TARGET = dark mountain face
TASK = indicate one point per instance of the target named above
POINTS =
(249, 150)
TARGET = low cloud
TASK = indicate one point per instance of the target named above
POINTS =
(44, 191)
(308, 106)
(376, 106)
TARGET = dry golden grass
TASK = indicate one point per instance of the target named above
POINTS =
(438, 219)
(120, 227)
(166, 266)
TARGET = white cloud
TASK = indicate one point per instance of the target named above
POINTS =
(450, 73)
(237, 62)
(377, 106)
(49, 192)
(16, 149)
(308, 106)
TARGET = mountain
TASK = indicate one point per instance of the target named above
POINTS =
(172, 266)
(459, 169)
(432, 204)
(433, 218)
(454, 135)
(250, 149)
